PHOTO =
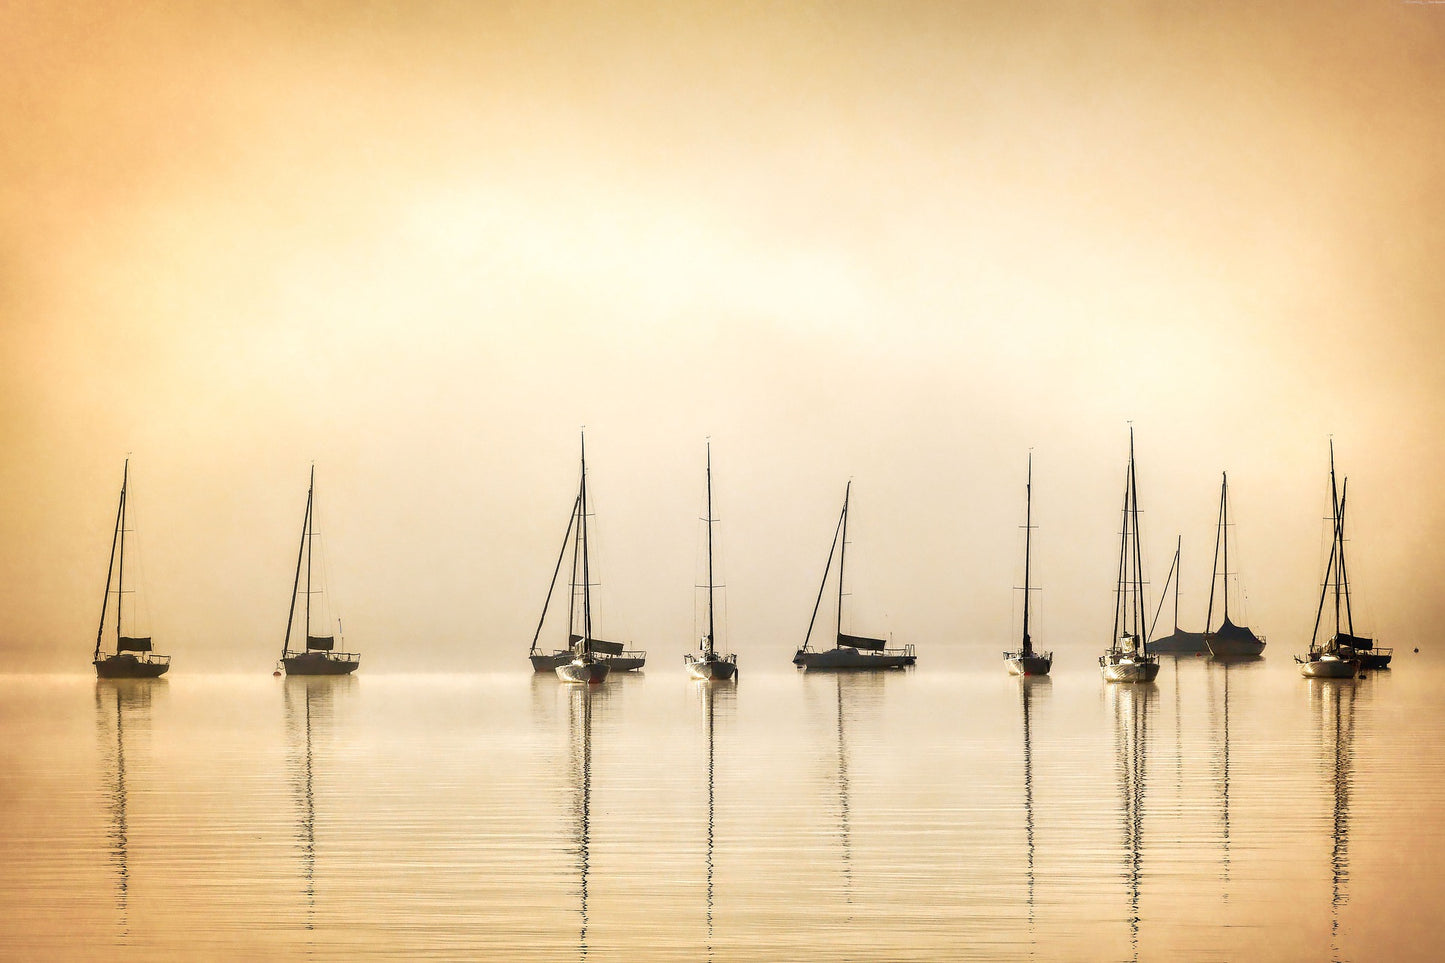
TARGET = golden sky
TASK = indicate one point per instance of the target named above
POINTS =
(421, 244)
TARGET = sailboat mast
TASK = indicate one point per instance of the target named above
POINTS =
(1329, 568)
(710, 645)
(571, 519)
(120, 569)
(1339, 539)
(586, 574)
(1178, 577)
(110, 569)
(1344, 570)
(1224, 536)
(300, 551)
(1214, 576)
(817, 603)
(1028, 648)
(842, 550)
(310, 539)
(1138, 555)
(1119, 601)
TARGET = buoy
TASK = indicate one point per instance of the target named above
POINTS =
(276, 673)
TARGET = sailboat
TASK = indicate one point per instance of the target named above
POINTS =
(1338, 656)
(133, 658)
(1028, 661)
(1229, 639)
(319, 656)
(710, 665)
(611, 656)
(1182, 641)
(1126, 660)
(849, 651)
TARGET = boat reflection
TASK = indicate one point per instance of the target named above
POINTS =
(712, 694)
(309, 702)
(1333, 701)
(1132, 705)
(1219, 669)
(1030, 687)
(118, 703)
(580, 701)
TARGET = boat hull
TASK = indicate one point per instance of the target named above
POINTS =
(850, 658)
(1233, 648)
(1028, 664)
(1130, 671)
(583, 672)
(316, 663)
(1329, 668)
(627, 662)
(1373, 659)
(1170, 645)
(127, 666)
(716, 670)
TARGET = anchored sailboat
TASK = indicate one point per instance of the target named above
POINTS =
(1339, 656)
(1027, 661)
(319, 656)
(1181, 642)
(1126, 660)
(849, 651)
(611, 656)
(133, 658)
(710, 665)
(1229, 639)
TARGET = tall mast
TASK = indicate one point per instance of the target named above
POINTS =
(300, 551)
(1224, 536)
(1339, 539)
(1214, 576)
(576, 559)
(1119, 600)
(1178, 577)
(310, 538)
(1329, 568)
(824, 584)
(842, 550)
(1138, 560)
(1344, 570)
(710, 646)
(1028, 648)
(586, 575)
(110, 568)
(571, 519)
(120, 570)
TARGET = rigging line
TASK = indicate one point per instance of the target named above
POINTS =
(826, 569)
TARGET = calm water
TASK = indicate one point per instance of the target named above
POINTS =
(1221, 813)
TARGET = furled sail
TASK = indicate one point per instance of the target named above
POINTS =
(129, 644)
(1354, 641)
(1229, 632)
(861, 642)
(323, 642)
(597, 645)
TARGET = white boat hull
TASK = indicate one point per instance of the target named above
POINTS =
(1329, 667)
(583, 672)
(1129, 671)
(718, 670)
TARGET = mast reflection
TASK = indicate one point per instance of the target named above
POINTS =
(580, 704)
(309, 704)
(712, 693)
(1028, 685)
(1131, 731)
(116, 701)
(1334, 702)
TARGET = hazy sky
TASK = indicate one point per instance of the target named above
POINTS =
(422, 244)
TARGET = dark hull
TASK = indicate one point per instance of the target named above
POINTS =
(1233, 648)
(627, 662)
(1181, 643)
(850, 658)
(313, 663)
(1373, 660)
(129, 667)
(1019, 664)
